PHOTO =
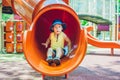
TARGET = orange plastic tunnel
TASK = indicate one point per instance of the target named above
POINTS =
(40, 14)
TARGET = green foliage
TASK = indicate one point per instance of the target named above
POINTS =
(6, 16)
(118, 1)
(84, 22)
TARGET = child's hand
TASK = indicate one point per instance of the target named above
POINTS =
(71, 52)
(44, 44)
(70, 55)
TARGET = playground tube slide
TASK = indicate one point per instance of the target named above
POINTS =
(40, 14)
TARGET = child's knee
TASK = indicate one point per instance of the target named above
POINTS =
(50, 50)
(59, 52)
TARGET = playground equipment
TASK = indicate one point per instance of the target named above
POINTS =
(102, 26)
(19, 36)
(12, 40)
(102, 44)
(40, 14)
(119, 32)
(119, 35)
(9, 37)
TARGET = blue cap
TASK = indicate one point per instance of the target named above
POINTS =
(57, 21)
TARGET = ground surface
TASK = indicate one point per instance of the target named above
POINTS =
(97, 65)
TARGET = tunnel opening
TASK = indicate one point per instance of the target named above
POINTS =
(35, 53)
(42, 28)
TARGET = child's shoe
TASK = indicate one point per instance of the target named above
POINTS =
(57, 61)
(50, 60)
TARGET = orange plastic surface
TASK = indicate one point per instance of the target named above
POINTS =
(119, 35)
(66, 1)
(9, 26)
(19, 37)
(19, 47)
(19, 26)
(41, 16)
(5, 3)
(27, 26)
(9, 37)
(36, 58)
(24, 8)
(102, 44)
(9, 47)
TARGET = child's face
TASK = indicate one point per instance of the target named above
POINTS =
(57, 28)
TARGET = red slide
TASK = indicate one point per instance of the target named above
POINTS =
(40, 14)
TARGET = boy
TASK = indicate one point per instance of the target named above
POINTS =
(57, 38)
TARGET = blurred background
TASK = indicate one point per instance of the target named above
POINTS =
(103, 15)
